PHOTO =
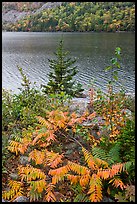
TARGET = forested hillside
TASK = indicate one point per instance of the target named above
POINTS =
(68, 16)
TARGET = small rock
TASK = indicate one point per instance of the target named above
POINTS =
(79, 105)
(14, 176)
(21, 199)
(131, 101)
(128, 113)
(106, 199)
(24, 160)
(4, 200)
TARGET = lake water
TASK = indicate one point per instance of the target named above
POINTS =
(92, 51)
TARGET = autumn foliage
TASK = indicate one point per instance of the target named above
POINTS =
(47, 169)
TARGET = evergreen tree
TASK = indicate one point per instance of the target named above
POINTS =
(61, 76)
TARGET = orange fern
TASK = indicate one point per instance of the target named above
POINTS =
(37, 156)
(59, 174)
(18, 147)
(16, 189)
(50, 196)
(95, 189)
(29, 173)
(74, 179)
(89, 159)
(81, 170)
(53, 159)
(117, 183)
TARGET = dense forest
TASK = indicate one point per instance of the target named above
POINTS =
(71, 16)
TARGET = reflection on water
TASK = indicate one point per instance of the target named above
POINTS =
(92, 51)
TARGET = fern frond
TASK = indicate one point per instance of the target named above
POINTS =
(53, 159)
(81, 198)
(50, 197)
(101, 163)
(104, 174)
(111, 157)
(113, 154)
(18, 147)
(111, 172)
(50, 136)
(16, 190)
(127, 165)
(84, 180)
(89, 159)
(36, 188)
(39, 136)
(37, 156)
(59, 174)
(77, 168)
(74, 179)
(115, 169)
(43, 121)
(57, 119)
(95, 189)
(30, 173)
(33, 195)
(100, 153)
(117, 183)
(38, 185)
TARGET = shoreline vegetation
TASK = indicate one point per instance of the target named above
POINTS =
(57, 149)
(74, 31)
(68, 16)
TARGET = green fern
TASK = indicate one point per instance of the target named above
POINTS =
(114, 154)
(128, 165)
(100, 153)
(81, 198)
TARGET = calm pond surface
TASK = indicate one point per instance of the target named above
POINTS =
(93, 51)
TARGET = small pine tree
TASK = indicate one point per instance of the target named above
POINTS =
(61, 76)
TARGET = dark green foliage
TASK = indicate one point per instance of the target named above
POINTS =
(111, 155)
(81, 198)
(6, 108)
(127, 143)
(5, 153)
(115, 65)
(114, 154)
(61, 76)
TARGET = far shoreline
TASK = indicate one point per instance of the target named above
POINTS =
(69, 31)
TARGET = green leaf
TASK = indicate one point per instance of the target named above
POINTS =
(115, 77)
(108, 68)
(117, 64)
(118, 50)
(115, 73)
(113, 61)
